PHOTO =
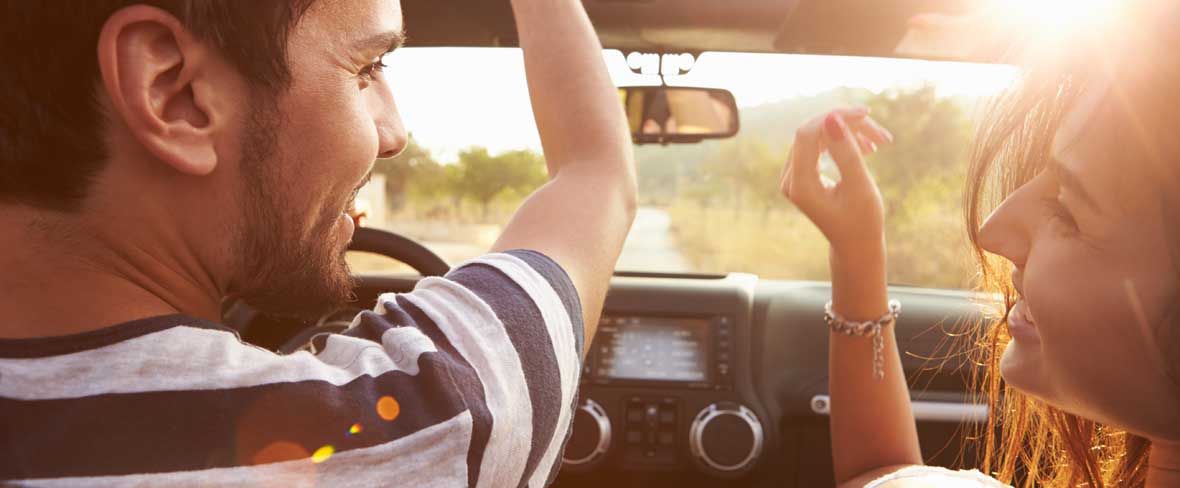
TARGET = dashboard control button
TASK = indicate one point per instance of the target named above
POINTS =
(726, 439)
(591, 436)
(634, 437)
(634, 415)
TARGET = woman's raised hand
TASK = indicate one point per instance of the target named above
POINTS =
(849, 212)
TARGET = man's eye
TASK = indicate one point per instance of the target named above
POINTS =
(369, 71)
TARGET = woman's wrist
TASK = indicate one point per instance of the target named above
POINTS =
(859, 290)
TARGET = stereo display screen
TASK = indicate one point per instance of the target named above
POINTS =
(653, 348)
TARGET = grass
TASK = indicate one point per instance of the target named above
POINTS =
(927, 247)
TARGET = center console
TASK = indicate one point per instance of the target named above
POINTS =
(666, 384)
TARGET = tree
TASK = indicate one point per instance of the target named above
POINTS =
(921, 175)
(482, 177)
(930, 140)
(399, 171)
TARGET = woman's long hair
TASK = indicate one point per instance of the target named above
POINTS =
(1025, 442)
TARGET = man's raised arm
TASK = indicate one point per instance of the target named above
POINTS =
(581, 217)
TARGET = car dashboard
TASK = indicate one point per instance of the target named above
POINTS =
(709, 381)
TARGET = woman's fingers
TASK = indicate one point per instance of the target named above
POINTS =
(866, 146)
(843, 145)
(855, 112)
(846, 133)
(847, 210)
(869, 127)
(858, 119)
(801, 178)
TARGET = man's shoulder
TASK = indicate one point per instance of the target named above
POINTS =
(527, 269)
(525, 282)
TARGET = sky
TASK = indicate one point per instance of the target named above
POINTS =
(453, 98)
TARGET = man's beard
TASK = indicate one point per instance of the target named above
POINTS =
(281, 271)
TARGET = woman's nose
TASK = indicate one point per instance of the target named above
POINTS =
(1008, 231)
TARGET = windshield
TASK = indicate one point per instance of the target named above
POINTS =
(712, 207)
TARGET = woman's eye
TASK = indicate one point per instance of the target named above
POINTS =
(1061, 215)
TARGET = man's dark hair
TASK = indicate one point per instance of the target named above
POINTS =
(51, 142)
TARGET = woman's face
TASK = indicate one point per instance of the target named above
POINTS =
(1094, 274)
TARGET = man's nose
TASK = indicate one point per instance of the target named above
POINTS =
(391, 131)
(391, 135)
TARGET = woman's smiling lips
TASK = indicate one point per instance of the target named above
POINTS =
(1021, 325)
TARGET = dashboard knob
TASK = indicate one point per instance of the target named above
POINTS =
(726, 439)
(591, 437)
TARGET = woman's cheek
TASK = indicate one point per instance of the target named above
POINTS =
(1082, 316)
(1066, 303)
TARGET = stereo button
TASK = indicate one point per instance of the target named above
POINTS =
(634, 415)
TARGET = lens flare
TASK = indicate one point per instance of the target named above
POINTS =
(355, 429)
(388, 408)
(322, 454)
(1058, 14)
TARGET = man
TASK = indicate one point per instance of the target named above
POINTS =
(158, 156)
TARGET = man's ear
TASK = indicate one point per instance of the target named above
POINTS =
(155, 74)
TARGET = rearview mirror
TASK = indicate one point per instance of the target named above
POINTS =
(673, 114)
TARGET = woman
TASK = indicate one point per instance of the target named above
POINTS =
(1083, 370)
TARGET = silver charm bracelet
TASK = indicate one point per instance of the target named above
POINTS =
(869, 327)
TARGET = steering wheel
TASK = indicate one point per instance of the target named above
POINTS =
(401, 248)
(241, 316)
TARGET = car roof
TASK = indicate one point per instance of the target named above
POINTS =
(840, 27)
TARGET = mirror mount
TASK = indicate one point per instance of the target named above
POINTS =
(637, 61)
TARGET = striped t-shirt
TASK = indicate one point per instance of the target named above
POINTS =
(469, 380)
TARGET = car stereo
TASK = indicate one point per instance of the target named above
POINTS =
(681, 352)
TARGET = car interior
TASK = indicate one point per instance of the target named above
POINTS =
(748, 406)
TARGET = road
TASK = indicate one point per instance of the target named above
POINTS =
(650, 246)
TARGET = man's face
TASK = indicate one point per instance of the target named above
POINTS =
(307, 152)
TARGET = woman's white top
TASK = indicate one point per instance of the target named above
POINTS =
(933, 476)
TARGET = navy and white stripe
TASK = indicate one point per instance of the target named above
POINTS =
(483, 363)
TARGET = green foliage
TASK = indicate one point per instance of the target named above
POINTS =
(481, 176)
(415, 163)
(931, 137)
(723, 196)
(418, 183)
(920, 174)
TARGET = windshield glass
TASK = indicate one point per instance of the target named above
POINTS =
(711, 207)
